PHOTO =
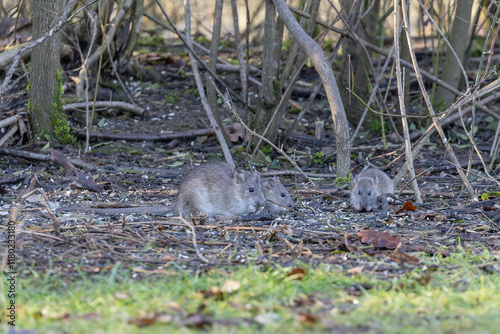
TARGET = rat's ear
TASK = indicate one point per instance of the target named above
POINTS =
(355, 180)
(239, 177)
(271, 183)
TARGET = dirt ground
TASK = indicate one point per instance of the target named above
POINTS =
(63, 228)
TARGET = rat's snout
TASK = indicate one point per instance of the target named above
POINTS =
(255, 209)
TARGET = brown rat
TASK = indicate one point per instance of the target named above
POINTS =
(276, 192)
(219, 189)
(367, 187)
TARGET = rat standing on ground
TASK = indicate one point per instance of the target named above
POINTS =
(219, 189)
(276, 192)
(368, 188)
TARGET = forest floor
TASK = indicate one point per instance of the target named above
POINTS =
(323, 263)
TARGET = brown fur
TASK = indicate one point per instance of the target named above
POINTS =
(366, 188)
(276, 192)
(218, 189)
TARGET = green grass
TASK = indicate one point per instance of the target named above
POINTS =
(442, 295)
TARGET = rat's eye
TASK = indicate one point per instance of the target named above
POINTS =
(369, 193)
(283, 195)
(359, 192)
(250, 190)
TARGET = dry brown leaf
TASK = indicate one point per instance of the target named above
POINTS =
(379, 239)
(143, 320)
(407, 206)
(400, 257)
(356, 270)
(234, 131)
(297, 274)
(440, 217)
(214, 293)
(307, 318)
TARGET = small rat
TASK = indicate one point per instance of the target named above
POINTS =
(276, 192)
(367, 187)
(219, 189)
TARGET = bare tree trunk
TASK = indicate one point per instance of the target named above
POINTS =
(458, 40)
(358, 69)
(45, 89)
(325, 71)
(270, 90)
(135, 31)
(214, 53)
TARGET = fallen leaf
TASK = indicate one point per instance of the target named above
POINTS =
(408, 206)
(197, 320)
(307, 318)
(379, 239)
(297, 274)
(440, 217)
(356, 270)
(143, 320)
(214, 293)
(400, 257)
(230, 286)
(424, 280)
(234, 131)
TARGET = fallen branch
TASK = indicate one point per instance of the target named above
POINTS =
(201, 90)
(195, 245)
(107, 104)
(12, 119)
(41, 157)
(253, 133)
(9, 134)
(157, 210)
(148, 137)
(60, 23)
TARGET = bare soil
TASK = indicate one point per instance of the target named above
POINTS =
(323, 228)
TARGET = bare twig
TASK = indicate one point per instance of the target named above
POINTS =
(428, 102)
(108, 38)
(106, 104)
(63, 19)
(324, 70)
(443, 36)
(156, 210)
(148, 137)
(381, 51)
(239, 47)
(232, 109)
(190, 48)
(41, 157)
(12, 119)
(193, 231)
(201, 91)
(408, 151)
(9, 135)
